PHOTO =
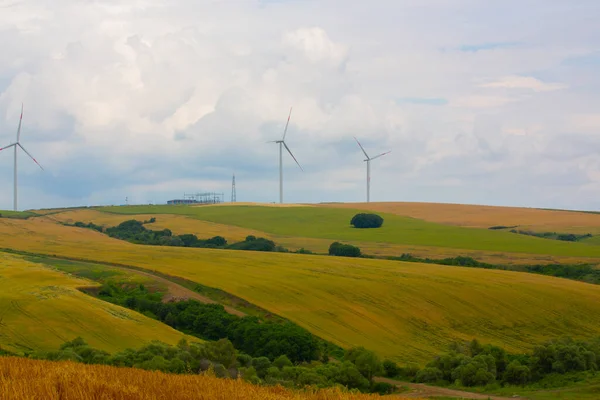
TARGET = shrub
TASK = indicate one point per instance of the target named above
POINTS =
(429, 375)
(391, 369)
(363, 220)
(343, 250)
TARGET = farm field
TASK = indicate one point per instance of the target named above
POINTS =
(474, 216)
(181, 224)
(24, 379)
(333, 224)
(40, 308)
(406, 311)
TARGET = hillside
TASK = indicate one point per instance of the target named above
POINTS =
(24, 379)
(182, 224)
(334, 224)
(41, 309)
(406, 311)
(476, 216)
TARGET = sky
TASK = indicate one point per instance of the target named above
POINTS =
(480, 102)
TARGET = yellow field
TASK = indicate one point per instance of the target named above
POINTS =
(24, 379)
(179, 224)
(40, 309)
(406, 311)
(475, 216)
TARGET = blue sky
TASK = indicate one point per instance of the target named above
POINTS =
(494, 102)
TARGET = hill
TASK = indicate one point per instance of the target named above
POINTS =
(182, 224)
(333, 224)
(41, 309)
(476, 216)
(24, 379)
(406, 311)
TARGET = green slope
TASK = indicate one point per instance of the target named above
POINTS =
(334, 224)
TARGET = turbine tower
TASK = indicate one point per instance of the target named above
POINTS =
(368, 160)
(282, 144)
(233, 193)
(16, 145)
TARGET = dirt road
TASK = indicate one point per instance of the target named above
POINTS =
(178, 292)
(419, 390)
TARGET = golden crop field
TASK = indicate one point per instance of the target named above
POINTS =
(41, 308)
(475, 216)
(180, 224)
(25, 379)
(406, 311)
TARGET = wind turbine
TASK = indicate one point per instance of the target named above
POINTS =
(16, 145)
(368, 160)
(281, 146)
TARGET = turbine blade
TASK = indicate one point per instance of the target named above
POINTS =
(287, 123)
(23, 148)
(289, 151)
(382, 154)
(8, 147)
(20, 121)
(362, 148)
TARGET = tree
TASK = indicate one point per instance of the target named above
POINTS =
(344, 250)
(363, 220)
(391, 369)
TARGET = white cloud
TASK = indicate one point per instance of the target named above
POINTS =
(524, 82)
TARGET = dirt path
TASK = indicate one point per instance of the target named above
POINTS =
(178, 292)
(419, 390)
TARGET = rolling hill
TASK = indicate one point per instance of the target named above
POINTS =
(41, 308)
(406, 311)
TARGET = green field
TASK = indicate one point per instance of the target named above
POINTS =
(41, 308)
(334, 224)
(16, 214)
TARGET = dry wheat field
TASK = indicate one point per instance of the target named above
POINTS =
(25, 379)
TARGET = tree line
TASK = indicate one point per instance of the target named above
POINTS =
(472, 364)
(134, 231)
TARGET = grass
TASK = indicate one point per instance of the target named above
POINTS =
(334, 224)
(24, 379)
(41, 309)
(406, 311)
(16, 214)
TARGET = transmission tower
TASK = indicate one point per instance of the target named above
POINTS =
(233, 195)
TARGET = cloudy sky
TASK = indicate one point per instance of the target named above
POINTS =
(486, 102)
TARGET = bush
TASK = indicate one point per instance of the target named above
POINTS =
(343, 250)
(391, 369)
(429, 375)
(363, 220)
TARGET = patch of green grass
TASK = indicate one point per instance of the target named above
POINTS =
(334, 224)
(16, 214)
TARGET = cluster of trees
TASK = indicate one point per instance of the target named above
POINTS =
(364, 220)
(344, 250)
(568, 237)
(135, 232)
(473, 364)
(211, 322)
(461, 261)
(355, 371)
(90, 225)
